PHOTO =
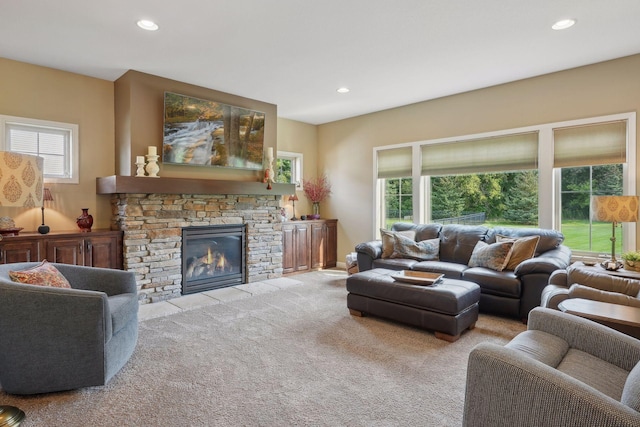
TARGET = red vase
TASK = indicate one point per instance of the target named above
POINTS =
(85, 221)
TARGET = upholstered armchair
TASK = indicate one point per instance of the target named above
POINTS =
(57, 339)
(577, 281)
(563, 371)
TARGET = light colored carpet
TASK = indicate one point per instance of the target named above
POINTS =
(290, 357)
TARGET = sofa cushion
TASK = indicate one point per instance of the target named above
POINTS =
(426, 250)
(595, 372)
(450, 270)
(423, 231)
(631, 390)
(43, 274)
(523, 248)
(549, 239)
(501, 283)
(394, 263)
(388, 241)
(494, 256)
(586, 292)
(457, 242)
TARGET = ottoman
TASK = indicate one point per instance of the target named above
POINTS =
(447, 307)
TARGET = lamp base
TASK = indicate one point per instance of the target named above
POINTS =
(10, 416)
(612, 265)
(43, 229)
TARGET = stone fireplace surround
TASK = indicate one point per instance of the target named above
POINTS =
(152, 222)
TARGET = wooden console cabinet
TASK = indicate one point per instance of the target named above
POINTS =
(308, 245)
(98, 248)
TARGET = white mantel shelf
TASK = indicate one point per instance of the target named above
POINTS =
(117, 184)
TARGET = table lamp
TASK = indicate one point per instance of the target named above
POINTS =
(614, 209)
(21, 185)
(294, 198)
(47, 197)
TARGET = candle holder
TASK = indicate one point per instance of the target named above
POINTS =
(140, 170)
(268, 173)
(152, 167)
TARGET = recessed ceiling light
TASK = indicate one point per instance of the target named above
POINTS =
(145, 24)
(564, 24)
(343, 90)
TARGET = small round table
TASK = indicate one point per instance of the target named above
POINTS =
(623, 318)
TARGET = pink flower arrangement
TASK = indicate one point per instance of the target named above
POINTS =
(317, 189)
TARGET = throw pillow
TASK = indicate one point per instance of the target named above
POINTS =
(388, 242)
(523, 248)
(43, 274)
(425, 250)
(494, 256)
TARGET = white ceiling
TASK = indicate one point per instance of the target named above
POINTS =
(296, 53)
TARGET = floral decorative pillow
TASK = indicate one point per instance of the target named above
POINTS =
(523, 248)
(43, 274)
(388, 242)
(425, 250)
(494, 256)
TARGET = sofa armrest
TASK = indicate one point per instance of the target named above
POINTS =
(506, 388)
(547, 262)
(591, 337)
(559, 278)
(69, 326)
(367, 252)
(110, 281)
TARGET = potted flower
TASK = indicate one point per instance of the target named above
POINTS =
(631, 260)
(317, 190)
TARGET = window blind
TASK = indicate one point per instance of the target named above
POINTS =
(395, 163)
(500, 153)
(594, 144)
(49, 143)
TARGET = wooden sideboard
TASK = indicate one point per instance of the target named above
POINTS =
(309, 245)
(98, 248)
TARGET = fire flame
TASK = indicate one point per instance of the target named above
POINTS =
(222, 263)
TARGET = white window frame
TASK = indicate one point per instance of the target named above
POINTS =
(71, 150)
(548, 184)
(297, 161)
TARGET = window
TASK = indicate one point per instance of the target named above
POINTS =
(289, 168)
(539, 176)
(589, 159)
(56, 142)
(395, 186)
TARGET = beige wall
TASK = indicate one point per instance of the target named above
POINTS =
(342, 149)
(346, 146)
(302, 138)
(47, 94)
(139, 101)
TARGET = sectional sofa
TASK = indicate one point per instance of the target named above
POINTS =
(511, 265)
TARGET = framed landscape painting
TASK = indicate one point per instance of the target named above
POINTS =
(208, 133)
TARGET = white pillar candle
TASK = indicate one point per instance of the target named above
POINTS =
(270, 152)
(139, 159)
(153, 151)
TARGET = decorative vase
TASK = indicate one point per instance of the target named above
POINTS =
(316, 211)
(85, 221)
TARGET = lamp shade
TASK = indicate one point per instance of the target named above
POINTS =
(21, 180)
(614, 208)
(293, 198)
(47, 196)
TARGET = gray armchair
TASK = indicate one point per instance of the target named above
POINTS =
(56, 339)
(594, 283)
(563, 371)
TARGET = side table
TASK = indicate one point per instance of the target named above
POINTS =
(621, 272)
(623, 318)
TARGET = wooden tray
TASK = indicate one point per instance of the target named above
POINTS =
(417, 277)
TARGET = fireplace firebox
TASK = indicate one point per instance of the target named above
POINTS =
(213, 257)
